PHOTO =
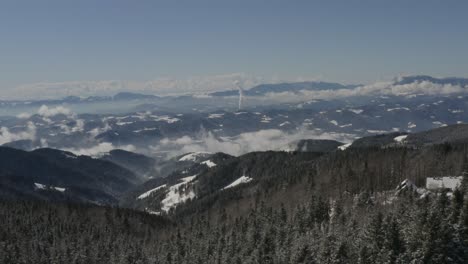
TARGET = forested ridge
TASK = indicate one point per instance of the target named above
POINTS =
(340, 207)
(348, 230)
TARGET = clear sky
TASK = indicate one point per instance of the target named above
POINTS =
(347, 41)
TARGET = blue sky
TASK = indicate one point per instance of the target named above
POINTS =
(346, 41)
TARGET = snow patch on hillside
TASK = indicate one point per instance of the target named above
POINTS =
(39, 186)
(241, 180)
(193, 156)
(356, 111)
(165, 118)
(440, 124)
(345, 146)
(178, 193)
(398, 108)
(209, 163)
(146, 194)
(213, 116)
(400, 138)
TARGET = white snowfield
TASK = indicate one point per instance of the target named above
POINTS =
(209, 163)
(39, 186)
(345, 146)
(411, 125)
(165, 118)
(213, 116)
(356, 111)
(176, 196)
(193, 156)
(398, 108)
(438, 123)
(242, 179)
(145, 129)
(400, 138)
(152, 212)
(450, 182)
(148, 193)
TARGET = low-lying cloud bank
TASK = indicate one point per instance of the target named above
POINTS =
(99, 149)
(201, 85)
(46, 112)
(380, 88)
(158, 86)
(263, 140)
(7, 136)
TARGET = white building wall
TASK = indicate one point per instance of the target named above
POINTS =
(450, 182)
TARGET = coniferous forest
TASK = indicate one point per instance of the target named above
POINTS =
(351, 229)
(233, 132)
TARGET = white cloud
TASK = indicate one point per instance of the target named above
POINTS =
(23, 115)
(46, 111)
(99, 149)
(78, 127)
(7, 136)
(379, 88)
(98, 130)
(270, 139)
(159, 86)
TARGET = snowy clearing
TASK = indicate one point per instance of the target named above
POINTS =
(178, 194)
(209, 163)
(242, 179)
(400, 138)
(193, 156)
(146, 194)
(345, 146)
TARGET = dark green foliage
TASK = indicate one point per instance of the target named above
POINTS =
(299, 208)
(407, 231)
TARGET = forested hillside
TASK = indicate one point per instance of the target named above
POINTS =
(352, 229)
(363, 204)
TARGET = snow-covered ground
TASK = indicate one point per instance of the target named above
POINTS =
(178, 193)
(213, 116)
(148, 193)
(166, 119)
(242, 179)
(356, 111)
(39, 186)
(209, 163)
(193, 156)
(401, 138)
(345, 146)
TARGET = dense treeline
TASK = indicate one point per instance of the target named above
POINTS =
(299, 208)
(40, 232)
(352, 229)
(290, 178)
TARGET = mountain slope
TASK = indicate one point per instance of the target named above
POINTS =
(54, 174)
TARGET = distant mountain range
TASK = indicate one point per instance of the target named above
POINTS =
(425, 78)
(148, 184)
(263, 89)
(259, 90)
